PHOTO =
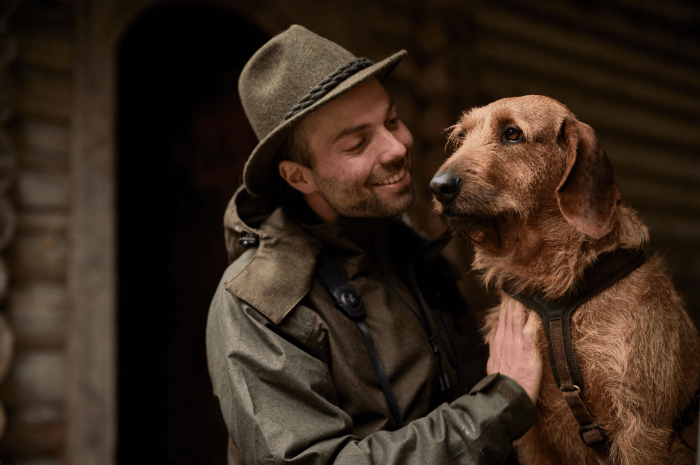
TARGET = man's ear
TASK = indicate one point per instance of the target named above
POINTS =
(297, 176)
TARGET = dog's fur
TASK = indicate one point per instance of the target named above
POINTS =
(539, 212)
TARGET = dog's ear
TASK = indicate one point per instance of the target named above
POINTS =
(587, 194)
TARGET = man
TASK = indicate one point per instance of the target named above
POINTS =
(299, 380)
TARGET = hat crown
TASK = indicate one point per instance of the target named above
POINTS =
(282, 72)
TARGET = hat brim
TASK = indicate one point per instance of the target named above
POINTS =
(260, 173)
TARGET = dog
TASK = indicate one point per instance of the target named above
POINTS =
(534, 191)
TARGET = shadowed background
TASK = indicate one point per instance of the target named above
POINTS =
(123, 138)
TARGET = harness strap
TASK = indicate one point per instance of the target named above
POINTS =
(556, 318)
(348, 301)
(591, 435)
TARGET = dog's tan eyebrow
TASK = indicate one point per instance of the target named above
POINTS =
(361, 127)
(465, 125)
(503, 118)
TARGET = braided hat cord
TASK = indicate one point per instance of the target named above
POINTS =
(329, 83)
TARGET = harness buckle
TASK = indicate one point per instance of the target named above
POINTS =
(575, 388)
(592, 435)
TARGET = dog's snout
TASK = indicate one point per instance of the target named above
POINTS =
(445, 186)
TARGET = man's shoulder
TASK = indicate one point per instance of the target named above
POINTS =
(236, 310)
(274, 275)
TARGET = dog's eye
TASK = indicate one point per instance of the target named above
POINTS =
(512, 134)
(462, 135)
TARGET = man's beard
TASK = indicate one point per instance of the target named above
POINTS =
(354, 204)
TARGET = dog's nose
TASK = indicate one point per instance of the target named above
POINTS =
(445, 186)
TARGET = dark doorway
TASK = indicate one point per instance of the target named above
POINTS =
(182, 141)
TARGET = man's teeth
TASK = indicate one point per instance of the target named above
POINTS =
(393, 179)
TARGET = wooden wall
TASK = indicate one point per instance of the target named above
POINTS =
(8, 218)
(38, 304)
(631, 69)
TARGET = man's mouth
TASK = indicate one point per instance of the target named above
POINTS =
(392, 179)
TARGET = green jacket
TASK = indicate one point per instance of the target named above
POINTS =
(293, 375)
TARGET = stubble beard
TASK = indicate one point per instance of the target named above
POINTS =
(358, 203)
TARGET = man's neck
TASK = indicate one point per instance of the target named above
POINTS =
(298, 207)
(321, 208)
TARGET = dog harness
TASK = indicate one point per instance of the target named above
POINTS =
(556, 318)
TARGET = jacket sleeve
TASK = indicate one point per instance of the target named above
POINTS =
(280, 407)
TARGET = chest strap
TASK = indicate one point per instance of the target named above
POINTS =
(349, 301)
(556, 319)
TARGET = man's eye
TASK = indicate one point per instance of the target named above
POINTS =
(394, 121)
(358, 146)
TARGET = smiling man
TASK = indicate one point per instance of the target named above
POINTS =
(362, 155)
(329, 335)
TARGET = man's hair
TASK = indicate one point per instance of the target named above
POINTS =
(296, 149)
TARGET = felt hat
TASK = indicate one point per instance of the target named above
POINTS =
(293, 74)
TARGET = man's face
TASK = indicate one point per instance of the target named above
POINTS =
(362, 154)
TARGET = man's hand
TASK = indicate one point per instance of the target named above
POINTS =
(512, 350)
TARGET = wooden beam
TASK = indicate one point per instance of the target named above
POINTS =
(36, 189)
(38, 312)
(53, 51)
(91, 338)
(38, 376)
(46, 93)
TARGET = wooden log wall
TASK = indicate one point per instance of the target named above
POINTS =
(37, 304)
(8, 160)
(8, 163)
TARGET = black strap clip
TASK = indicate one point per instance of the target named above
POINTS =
(249, 240)
(347, 299)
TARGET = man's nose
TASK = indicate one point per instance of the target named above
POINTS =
(392, 148)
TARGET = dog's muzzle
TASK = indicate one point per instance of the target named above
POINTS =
(445, 186)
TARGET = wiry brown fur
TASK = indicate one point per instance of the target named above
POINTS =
(637, 348)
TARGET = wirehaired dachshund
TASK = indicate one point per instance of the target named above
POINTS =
(533, 190)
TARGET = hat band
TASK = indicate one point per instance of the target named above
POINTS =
(329, 83)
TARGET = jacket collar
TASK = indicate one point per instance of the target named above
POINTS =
(282, 269)
(354, 243)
